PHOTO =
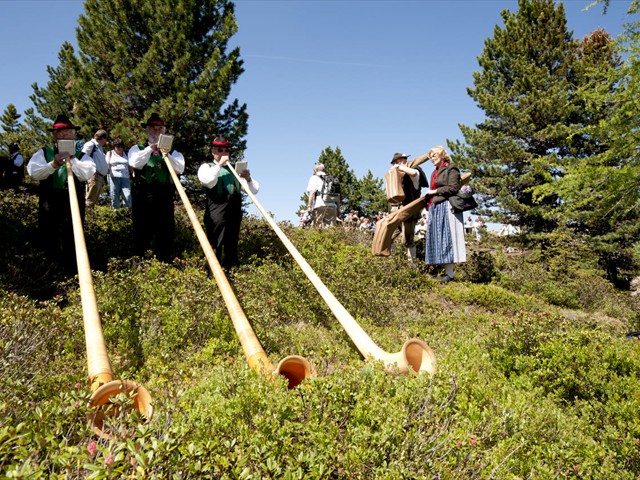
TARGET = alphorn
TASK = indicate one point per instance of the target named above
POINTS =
(293, 367)
(383, 236)
(101, 379)
(415, 353)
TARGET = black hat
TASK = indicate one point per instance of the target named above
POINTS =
(62, 122)
(398, 156)
(154, 121)
(220, 142)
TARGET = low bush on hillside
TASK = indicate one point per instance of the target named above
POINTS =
(535, 378)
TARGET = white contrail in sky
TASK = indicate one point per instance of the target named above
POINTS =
(309, 60)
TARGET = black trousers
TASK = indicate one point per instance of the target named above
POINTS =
(153, 218)
(222, 221)
(56, 226)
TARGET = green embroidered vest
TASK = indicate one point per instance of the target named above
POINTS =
(58, 179)
(155, 168)
(227, 184)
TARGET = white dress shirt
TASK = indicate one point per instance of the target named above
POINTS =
(97, 156)
(208, 176)
(39, 169)
(139, 158)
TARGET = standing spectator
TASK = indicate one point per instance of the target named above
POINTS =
(364, 224)
(93, 148)
(421, 226)
(478, 226)
(48, 166)
(153, 191)
(350, 218)
(445, 231)
(324, 213)
(468, 225)
(118, 174)
(15, 168)
(413, 180)
(223, 213)
(305, 219)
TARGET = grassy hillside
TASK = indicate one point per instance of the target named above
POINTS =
(535, 376)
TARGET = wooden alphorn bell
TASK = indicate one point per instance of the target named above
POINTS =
(101, 379)
(293, 367)
(415, 353)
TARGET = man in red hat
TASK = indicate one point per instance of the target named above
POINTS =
(152, 191)
(48, 166)
(223, 212)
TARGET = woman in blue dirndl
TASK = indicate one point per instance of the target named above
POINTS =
(445, 229)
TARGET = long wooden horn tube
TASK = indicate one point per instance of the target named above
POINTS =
(415, 352)
(101, 379)
(293, 367)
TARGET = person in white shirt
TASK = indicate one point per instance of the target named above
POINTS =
(118, 174)
(324, 213)
(48, 166)
(223, 212)
(153, 191)
(94, 148)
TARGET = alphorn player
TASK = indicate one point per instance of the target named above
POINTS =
(223, 212)
(48, 166)
(413, 180)
(152, 192)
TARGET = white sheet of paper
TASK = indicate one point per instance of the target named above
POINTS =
(67, 146)
(241, 167)
(165, 142)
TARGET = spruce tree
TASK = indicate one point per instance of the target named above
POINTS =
(370, 196)
(29, 134)
(33, 133)
(600, 192)
(165, 56)
(10, 119)
(10, 122)
(527, 88)
(61, 92)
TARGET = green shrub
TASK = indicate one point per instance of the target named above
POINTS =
(479, 268)
(525, 387)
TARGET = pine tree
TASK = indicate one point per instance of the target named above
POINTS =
(10, 119)
(600, 192)
(336, 165)
(33, 133)
(165, 56)
(370, 196)
(10, 122)
(28, 134)
(527, 89)
(61, 92)
(367, 195)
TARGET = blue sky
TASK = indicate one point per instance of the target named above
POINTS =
(369, 77)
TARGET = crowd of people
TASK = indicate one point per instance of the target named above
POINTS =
(139, 179)
(430, 219)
